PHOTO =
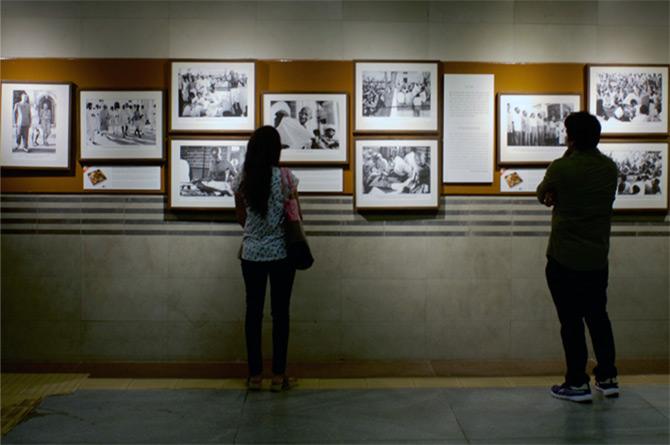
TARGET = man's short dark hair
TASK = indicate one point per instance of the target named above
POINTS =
(583, 129)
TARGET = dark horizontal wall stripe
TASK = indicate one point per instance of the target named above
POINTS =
(316, 233)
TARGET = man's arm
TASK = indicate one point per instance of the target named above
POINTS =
(546, 191)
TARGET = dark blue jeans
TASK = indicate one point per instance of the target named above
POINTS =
(582, 296)
(281, 274)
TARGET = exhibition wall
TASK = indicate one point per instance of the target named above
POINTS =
(485, 31)
(103, 278)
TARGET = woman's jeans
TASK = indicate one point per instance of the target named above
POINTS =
(281, 274)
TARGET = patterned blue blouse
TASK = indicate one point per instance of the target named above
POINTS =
(263, 238)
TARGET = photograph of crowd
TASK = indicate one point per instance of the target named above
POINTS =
(629, 99)
(208, 170)
(120, 123)
(640, 172)
(532, 124)
(307, 124)
(396, 93)
(396, 96)
(643, 174)
(34, 124)
(396, 169)
(212, 92)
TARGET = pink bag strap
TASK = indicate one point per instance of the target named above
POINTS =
(286, 180)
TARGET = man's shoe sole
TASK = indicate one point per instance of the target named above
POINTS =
(609, 392)
(586, 398)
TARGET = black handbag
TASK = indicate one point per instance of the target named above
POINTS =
(297, 247)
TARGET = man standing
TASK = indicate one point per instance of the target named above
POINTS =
(22, 121)
(581, 187)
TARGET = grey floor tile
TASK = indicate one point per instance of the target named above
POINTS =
(352, 416)
(147, 417)
(531, 414)
(407, 416)
(658, 396)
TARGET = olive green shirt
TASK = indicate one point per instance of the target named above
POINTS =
(584, 186)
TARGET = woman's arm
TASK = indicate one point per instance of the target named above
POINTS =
(297, 199)
(240, 209)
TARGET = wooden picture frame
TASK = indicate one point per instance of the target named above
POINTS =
(530, 126)
(193, 183)
(323, 137)
(643, 183)
(629, 100)
(45, 141)
(212, 96)
(133, 128)
(396, 97)
(390, 174)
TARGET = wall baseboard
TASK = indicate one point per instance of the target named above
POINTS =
(336, 369)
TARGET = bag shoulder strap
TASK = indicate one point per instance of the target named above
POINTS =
(287, 183)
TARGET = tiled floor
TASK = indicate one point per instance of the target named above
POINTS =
(392, 410)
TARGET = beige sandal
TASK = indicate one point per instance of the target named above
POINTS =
(282, 383)
(254, 383)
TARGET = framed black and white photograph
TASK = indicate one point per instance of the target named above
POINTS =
(396, 174)
(212, 96)
(36, 123)
(530, 126)
(396, 97)
(119, 125)
(203, 172)
(312, 127)
(643, 174)
(629, 100)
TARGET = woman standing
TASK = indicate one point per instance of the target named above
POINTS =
(259, 204)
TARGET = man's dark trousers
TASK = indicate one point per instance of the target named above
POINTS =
(582, 295)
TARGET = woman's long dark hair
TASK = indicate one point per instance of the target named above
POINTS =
(263, 151)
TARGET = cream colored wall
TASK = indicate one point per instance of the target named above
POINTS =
(495, 31)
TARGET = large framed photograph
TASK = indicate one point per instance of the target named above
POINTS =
(36, 123)
(643, 174)
(212, 96)
(119, 125)
(629, 100)
(396, 97)
(313, 127)
(203, 172)
(530, 126)
(396, 174)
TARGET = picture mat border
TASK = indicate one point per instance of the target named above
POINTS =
(331, 193)
(70, 122)
(513, 193)
(107, 160)
(205, 140)
(494, 155)
(344, 147)
(437, 66)
(159, 191)
(249, 122)
(665, 166)
(435, 181)
(502, 131)
(627, 134)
